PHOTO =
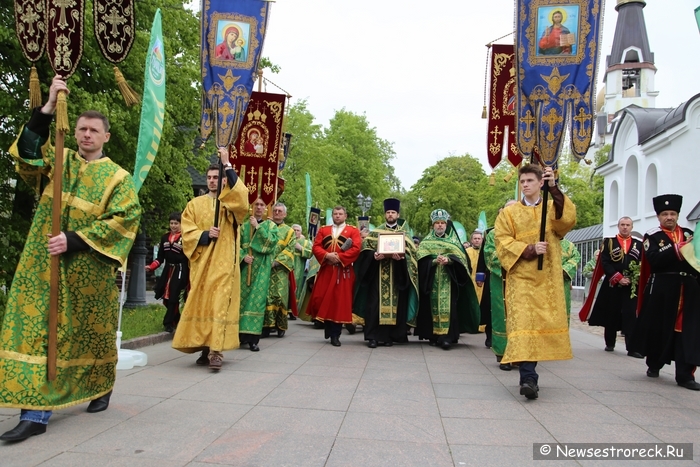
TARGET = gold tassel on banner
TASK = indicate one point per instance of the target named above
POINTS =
(62, 113)
(34, 89)
(486, 79)
(129, 94)
(492, 179)
(509, 176)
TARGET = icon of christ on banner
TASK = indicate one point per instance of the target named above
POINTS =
(557, 28)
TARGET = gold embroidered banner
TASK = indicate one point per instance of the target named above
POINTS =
(501, 111)
(65, 35)
(256, 153)
(557, 58)
(114, 27)
(30, 24)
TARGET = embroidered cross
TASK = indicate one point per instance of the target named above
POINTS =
(115, 19)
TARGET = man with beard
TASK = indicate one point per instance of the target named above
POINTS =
(336, 248)
(279, 295)
(616, 304)
(538, 328)
(258, 245)
(448, 303)
(386, 293)
(668, 323)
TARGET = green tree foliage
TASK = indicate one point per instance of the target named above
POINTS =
(93, 86)
(343, 160)
(585, 189)
(362, 160)
(459, 185)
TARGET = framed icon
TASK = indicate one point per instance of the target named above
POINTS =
(390, 243)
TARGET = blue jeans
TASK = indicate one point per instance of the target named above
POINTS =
(36, 416)
(527, 371)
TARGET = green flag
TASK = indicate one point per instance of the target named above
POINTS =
(153, 107)
(697, 16)
(691, 251)
(308, 197)
(482, 225)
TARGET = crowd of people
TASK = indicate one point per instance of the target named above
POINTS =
(245, 275)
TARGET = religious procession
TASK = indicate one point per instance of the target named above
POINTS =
(405, 273)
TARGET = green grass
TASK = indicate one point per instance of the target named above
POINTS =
(142, 321)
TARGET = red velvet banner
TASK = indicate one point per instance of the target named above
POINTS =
(501, 111)
(30, 24)
(65, 35)
(114, 27)
(256, 153)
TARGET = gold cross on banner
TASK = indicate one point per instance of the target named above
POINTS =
(115, 19)
(251, 172)
(63, 4)
(269, 174)
(552, 119)
(582, 118)
(528, 120)
(496, 134)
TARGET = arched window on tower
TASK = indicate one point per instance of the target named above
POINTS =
(651, 189)
(613, 203)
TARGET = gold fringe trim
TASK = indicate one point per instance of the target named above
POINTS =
(62, 113)
(483, 113)
(492, 179)
(130, 96)
(34, 89)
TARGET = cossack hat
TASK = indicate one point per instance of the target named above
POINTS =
(668, 203)
(392, 204)
(439, 215)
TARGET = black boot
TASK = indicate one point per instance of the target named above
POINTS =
(24, 430)
(98, 405)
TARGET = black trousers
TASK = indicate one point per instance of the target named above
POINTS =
(684, 371)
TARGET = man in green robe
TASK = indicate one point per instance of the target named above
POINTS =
(258, 245)
(99, 220)
(497, 286)
(448, 303)
(302, 252)
(278, 293)
(570, 257)
(386, 287)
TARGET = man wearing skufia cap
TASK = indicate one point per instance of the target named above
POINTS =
(386, 289)
(448, 304)
(668, 321)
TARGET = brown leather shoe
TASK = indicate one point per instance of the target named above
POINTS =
(215, 360)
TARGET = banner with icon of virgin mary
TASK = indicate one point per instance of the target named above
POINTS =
(256, 153)
(557, 51)
(232, 40)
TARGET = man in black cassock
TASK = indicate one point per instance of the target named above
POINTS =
(668, 324)
(386, 288)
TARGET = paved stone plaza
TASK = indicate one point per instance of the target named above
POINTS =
(301, 402)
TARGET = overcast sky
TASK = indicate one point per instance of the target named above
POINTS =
(416, 69)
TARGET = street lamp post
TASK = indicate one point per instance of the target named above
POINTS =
(364, 203)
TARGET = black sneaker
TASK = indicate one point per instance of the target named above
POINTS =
(529, 389)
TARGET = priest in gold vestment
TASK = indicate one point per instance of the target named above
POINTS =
(209, 321)
(536, 323)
